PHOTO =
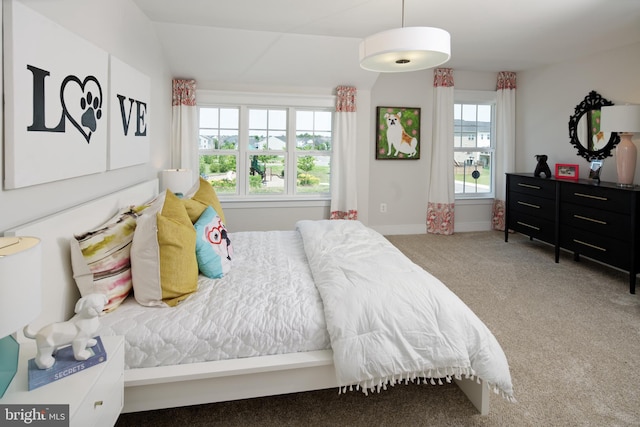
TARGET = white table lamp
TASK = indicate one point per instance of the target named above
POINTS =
(20, 297)
(625, 120)
(178, 181)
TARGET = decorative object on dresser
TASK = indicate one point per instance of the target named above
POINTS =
(567, 171)
(542, 167)
(597, 221)
(20, 297)
(595, 170)
(584, 129)
(625, 120)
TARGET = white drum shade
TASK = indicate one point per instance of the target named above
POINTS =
(176, 180)
(405, 49)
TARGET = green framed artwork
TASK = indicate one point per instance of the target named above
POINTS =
(397, 133)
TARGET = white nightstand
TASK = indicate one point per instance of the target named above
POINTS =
(95, 396)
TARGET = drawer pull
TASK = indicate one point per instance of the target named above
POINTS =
(597, 221)
(589, 196)
(528, 225)
(528, 204)
(535, 187)
(590, 245)
(97, 403)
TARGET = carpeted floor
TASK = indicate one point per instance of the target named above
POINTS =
(571, 333)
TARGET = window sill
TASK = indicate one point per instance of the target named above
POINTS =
(274, 202)
(485, 200)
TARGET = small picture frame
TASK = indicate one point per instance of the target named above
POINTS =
(567, 171)
(595, 169)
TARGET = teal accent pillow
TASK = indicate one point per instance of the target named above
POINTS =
(213, 247)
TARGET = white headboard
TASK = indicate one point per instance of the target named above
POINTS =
(59, 291)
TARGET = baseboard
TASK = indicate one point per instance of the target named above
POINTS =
(460, 227)
(465, 227)
(390, 230)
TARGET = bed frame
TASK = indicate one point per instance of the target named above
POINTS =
(180, 385)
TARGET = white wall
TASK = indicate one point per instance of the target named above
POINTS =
(403, 185)
(546, 98)
(120, 28)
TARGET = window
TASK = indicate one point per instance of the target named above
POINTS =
(261, 151)
(474, 144)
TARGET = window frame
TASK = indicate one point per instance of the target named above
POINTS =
(479, 97)
(291, 102)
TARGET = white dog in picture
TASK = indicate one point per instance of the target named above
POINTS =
(397, 138)
(77, 332)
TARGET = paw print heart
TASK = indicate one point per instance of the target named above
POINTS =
(82, 103)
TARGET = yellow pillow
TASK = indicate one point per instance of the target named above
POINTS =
(163, 254)
(178, 263)
(204, 196)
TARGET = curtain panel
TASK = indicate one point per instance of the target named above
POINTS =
(441, 201)
(505, 142)
(184, 127)
(343, 169)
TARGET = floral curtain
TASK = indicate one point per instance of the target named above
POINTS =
(505, 142)
(184, 127)
(441, 202)
(343, 171)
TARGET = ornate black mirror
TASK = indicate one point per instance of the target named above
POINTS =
(584, 129)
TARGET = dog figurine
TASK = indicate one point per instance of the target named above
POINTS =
(77, 332)
(397, 138)
(542, 166)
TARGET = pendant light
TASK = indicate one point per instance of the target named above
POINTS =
(405, 49)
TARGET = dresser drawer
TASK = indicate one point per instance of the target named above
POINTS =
(533, 226)
(532, 205)
(597, 221)
(609, 199)
(598, 247)
(532, 186)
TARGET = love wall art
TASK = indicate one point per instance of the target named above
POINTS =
(71, 109)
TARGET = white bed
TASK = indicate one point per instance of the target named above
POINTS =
(192, 381)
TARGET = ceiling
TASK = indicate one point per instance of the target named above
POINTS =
(314, 43)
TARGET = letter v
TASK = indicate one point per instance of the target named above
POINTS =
(125, 119)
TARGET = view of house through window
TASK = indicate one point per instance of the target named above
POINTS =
(255, 151)
(474, 142)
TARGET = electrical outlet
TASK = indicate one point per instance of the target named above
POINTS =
(383, 208)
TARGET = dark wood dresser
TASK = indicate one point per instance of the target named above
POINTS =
(598, 221)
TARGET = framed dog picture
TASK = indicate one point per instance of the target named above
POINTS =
(397, 133)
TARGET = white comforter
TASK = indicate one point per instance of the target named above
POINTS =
(388, 319)
(267, 304)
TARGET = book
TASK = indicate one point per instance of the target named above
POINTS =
(65, 365)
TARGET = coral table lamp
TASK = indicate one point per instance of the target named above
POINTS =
(20, 297)
(625, 120)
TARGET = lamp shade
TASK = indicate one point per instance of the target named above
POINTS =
(620, 118)
(405, 49)
(20, 282)
(176, 180)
